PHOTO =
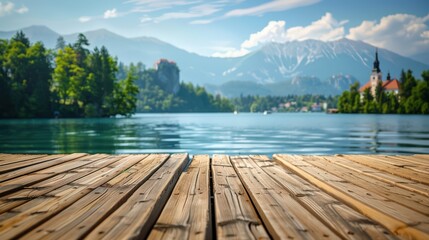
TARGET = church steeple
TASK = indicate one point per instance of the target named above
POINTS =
(376, 67)
(376, 76)
(388, 76)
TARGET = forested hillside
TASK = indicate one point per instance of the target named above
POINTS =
(74, 81)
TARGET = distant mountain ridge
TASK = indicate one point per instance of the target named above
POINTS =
(275, 65)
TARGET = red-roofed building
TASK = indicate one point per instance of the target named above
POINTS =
(388, 85)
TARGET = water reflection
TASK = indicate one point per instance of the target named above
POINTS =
(220, 133)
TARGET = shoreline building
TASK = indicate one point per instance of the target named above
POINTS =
(388, 86)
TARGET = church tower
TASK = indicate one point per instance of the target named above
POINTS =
(376, 74)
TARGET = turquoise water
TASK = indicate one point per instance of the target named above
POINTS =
(244, 133)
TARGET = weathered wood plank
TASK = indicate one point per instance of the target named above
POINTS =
(53, 160)
(135, 217)
(408, 162)
(234, 212)
(409, 199)
(415, 159)
(187, 212)
(25, 180)
(348, 223)
(28, 216)
(29, 161)
(398, 181)
(86, 213)
(395, 217)
(283, 216)
(373, 162)
(6, 159)
(38, 189)
(404, 162)
(422, 156)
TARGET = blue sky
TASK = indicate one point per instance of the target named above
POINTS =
(228, 28)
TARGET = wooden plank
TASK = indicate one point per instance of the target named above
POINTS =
(410, 163)
(187, 212)
(345, 221)
(38, 189)
(26, 217)
(422, 156)
(283, 216)
(234, 212)
(25, 180)
(404, 162)
(398, 181)
(6, 159)
(417, 159)
(135, 217)
(86, 213)
(39, 166)
(397, 218)
(33, 160)
(373, 162)
(401, 196)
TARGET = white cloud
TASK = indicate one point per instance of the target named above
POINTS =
(327, 28)
(272, 6)
(231, 53)
(193, 12)
(6, 8)
(110, 13)
(84, 19)
(145, 19)
(156, 5)
(402, 33)
(9, 7)
(206, 21)
(22, 10)
(274, 32)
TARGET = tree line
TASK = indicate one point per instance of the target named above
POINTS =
(70, 81)
(156, 96)
(413, 97)
(267, 103)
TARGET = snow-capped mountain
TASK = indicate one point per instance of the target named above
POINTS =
(282, 61)
(277, 68)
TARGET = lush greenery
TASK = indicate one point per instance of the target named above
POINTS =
(71, 81)
(413, 97)
(157, 96)
(290, 103)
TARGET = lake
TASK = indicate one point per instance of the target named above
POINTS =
(211, 133)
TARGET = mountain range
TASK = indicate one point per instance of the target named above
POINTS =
(297, 67)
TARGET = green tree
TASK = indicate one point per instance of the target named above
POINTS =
(39, 81)
(6, 104)
(125, 95)
(61, 43)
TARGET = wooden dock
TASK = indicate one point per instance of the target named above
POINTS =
(161, 196)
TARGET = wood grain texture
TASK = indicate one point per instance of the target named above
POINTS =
(6, 159)
(52, 160)
(395, 217)
(99, 196)
(281, 213)
(187, 212)
(379, 164)
(18, 221)
(345, 221)
(405, 197)
(235, 217)
(37, 176)
(135, 218)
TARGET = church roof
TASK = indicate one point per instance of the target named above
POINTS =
(367, 85)
(391, 85)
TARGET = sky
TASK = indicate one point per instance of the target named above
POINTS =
(231, 28)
